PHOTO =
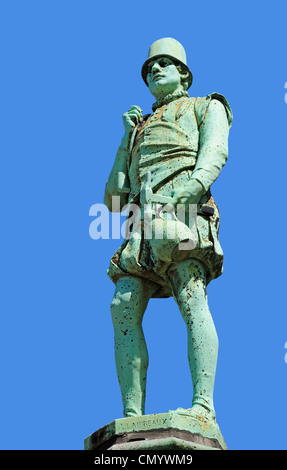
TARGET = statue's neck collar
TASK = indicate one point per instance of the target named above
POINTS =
(168, 98)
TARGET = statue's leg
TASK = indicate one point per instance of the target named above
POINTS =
(189, 287)
(128, 306)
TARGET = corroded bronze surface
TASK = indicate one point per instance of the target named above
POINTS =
(167, 431)
(171, 157)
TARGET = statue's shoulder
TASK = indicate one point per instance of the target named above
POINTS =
(202, 103)
(146, 116)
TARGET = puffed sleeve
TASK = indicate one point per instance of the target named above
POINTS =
(202, 104)
(214, 117)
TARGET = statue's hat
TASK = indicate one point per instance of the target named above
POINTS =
(167, 47)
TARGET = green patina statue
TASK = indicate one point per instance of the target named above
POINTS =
(173, 155)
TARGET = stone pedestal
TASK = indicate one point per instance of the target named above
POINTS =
(164, 431)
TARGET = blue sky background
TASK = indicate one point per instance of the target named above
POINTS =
(70, 69)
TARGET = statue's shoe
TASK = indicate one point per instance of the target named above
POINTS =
(198, 412)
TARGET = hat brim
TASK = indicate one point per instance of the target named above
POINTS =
(151, 59)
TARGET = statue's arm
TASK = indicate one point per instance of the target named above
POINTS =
(213, 146)
(215, 121)
(120, 166)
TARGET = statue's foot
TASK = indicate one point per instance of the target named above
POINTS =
(198, 412)
(132, 414)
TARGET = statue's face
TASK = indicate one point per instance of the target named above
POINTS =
(163, 77)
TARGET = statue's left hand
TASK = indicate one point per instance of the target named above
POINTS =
(190, 195)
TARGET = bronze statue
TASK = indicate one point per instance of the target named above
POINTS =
(172, 155)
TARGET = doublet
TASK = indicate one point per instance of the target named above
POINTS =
(167, 144)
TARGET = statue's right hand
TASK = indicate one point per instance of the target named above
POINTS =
(131, 118)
